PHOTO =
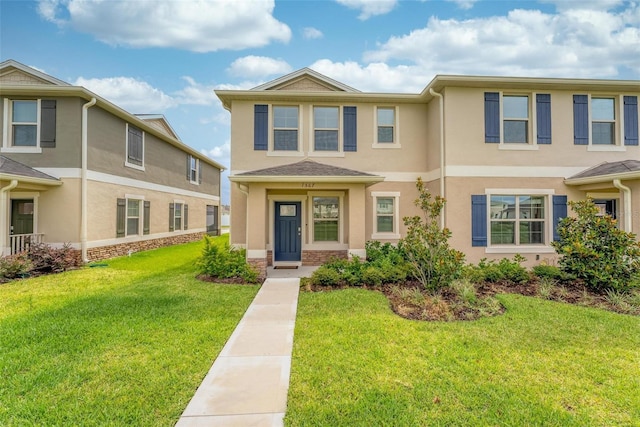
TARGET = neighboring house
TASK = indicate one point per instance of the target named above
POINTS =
(75, 168)
(319, 168)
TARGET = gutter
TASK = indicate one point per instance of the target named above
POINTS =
(627, 204)
(442, 186)
(83, 185)
(4, 229)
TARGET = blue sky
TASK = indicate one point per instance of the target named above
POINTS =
(167, 57)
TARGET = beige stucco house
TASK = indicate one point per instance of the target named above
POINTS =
(319, 168)
(75, 168)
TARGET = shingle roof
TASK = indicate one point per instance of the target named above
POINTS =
(609, 168)
(11, 167)
(307, 168)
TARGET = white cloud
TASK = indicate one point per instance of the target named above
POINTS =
(312, 33)
(199, 26)
(220, 153)
(464, 4)
(369, 8)
(133, 95)
(258, 66)
(573, 43)
(195, 93)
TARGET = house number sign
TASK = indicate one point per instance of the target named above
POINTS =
(308, 184)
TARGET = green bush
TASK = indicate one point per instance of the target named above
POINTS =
(426, 246)
(225, 262)
(503, 270)
(551, 272)
(325, 276)
(13, 266)
(372, 276)
(596, 251)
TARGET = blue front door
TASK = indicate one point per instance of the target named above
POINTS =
(288, 232)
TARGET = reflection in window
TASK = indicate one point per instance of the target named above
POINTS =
(517, 220)
(326, 215)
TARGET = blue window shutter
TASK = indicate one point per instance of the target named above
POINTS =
(580, 120)
(630, 120)
(491, 117)
(559, 212)
(479, 220)
(543, 116)
(260, 127)
(350, 130)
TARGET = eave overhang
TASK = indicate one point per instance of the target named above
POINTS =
(30, 180)
(624, 176)
(367, 180)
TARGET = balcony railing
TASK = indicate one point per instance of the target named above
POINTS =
(22, 242)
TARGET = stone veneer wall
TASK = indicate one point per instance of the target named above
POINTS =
(314, 258)
(121, 249)
(259, 264)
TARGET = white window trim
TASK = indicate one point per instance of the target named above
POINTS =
(396, 128)
(618, 126)
(524, 249)
(396, 215)
(271, 151)
(178, 202)
(312, 142)
(140, 200)
(532, 144)
(126, 152)
(7, 125)
(197, 169)
(311, 222)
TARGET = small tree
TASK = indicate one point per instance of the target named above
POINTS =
(596, 251)
(426, 246)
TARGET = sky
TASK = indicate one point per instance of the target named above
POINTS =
(167, 56)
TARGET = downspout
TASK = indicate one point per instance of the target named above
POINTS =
(83, 181)
(4, 226)
(627, 204)
(442, 187)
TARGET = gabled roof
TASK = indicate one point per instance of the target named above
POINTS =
(316, 82)
(159, 122)
(37, 86)
(607, 171)
(305, 171)
(10, 169)
(14, 72)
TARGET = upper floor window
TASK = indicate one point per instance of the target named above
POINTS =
(386, 120)
(285, 128)
(326, 125)
(135, 147)
(603, 121)
(515, 118)
(510, 122)
(194, 171)
(29, 125)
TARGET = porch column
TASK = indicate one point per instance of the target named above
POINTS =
(5, 247)
(257, 228)
(357, 220)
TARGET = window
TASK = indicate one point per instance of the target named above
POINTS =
(178, 216)
(212, 220)
(603, 120)
(326, 124)
(24, 123)
(386, 215)
(135, 147)
(517, 220)
(194, 174)
(508, 120)
(515, 119)
(285, 128)
(133, 217)
(386, 120)
(326, 217)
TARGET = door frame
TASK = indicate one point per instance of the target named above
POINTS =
(273, 198)
(297, 217)
(23, 196)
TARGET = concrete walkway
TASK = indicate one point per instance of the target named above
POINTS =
(247, 384)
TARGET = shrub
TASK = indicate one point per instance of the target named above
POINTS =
(372, 276)
(225, 262)
(48, 259)
(13, 266)
(546, 271)
(426, 246)
(596, 251)
(503, 270)
(325, 276)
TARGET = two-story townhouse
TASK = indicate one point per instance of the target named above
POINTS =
(319, 168)
(75, 168)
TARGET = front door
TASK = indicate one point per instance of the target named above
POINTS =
(22, 216)
(288, 232)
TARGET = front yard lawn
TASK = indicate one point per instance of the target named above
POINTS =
(542, 363)
(122, 344)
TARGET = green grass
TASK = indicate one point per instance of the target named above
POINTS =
(125, 344)
(543, 363)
